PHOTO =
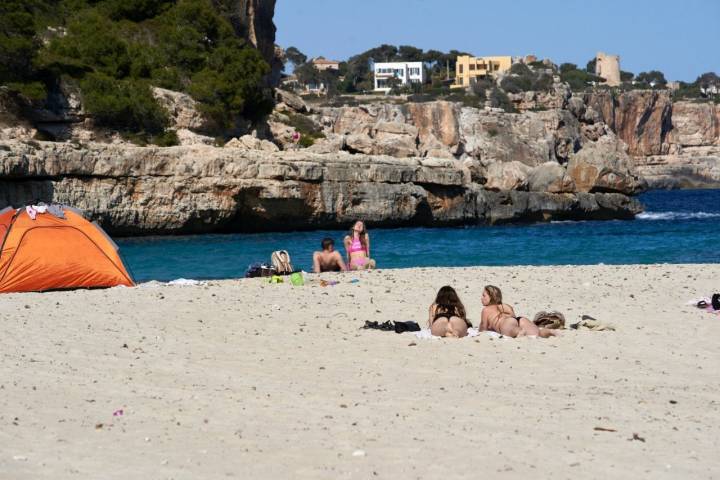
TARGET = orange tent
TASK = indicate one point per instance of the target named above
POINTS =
(52, 253)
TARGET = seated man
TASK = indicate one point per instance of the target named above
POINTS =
(328, 260)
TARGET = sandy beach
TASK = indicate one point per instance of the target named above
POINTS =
(241, 379)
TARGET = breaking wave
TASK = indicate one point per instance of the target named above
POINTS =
(676, 215)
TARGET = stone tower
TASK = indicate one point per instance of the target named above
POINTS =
(608, 67)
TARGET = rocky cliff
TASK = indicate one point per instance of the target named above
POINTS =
(199, 189)
(665, 144)
(672, 144)
(555, 151)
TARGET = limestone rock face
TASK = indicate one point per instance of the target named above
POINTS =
(550, 177)
(436, 122)
(531, 138)
(182, 109)
(640, 118)
(253, 21)
(188, 137)
(395, 139)
(354, 120)
(507, 176)
(359, 143)
(695, 124)
(695, 167)
(332, 143)
(248, 142)
(556, 98)
(197, 189)
(603, 166)
(672, 145)
(290, 100)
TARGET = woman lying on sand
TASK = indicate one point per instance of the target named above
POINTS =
(500, 317)
(447, 316)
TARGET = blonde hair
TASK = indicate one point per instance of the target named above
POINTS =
(495, 294)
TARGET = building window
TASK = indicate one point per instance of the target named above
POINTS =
(461, 68)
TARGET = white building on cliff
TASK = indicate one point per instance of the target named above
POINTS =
(405, 72)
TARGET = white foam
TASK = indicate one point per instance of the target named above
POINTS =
(676, 215)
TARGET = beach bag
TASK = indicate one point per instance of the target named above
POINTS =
(552, 320)
(281, 262)
(259, 270)
(716, 301)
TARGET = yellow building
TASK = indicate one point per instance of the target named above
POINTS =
(467, 68)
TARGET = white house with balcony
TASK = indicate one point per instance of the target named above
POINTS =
(405, 72)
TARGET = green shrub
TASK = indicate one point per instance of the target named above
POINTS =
(32, 90)
(306, 141)
(514, 84)
(19, 45)
(521, 70)
(134, 10)
(499, 99)
(92, 44)
(652, 77)
(126, 105)
(467, 100)
(183, 45)
(524, 79)
(480, 87)
(578, 80)
(167, 139)
(626, 76)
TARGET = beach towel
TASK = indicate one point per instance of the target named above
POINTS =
(426, 334)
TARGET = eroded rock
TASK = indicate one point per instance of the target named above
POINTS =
(198, 189)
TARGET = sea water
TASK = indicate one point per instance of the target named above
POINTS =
(680, 226)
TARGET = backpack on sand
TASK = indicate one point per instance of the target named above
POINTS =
(281, 262)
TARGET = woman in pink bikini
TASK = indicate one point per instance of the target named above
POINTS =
(357, 246)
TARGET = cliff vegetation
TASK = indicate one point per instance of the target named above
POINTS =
(114, 51)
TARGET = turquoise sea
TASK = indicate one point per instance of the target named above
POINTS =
(678, 227)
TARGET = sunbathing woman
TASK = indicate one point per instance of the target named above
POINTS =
(447, 316)
(500, 317)
(357, 246)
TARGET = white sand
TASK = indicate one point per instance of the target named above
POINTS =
(241, 379)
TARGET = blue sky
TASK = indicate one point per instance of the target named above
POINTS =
(680, 38)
